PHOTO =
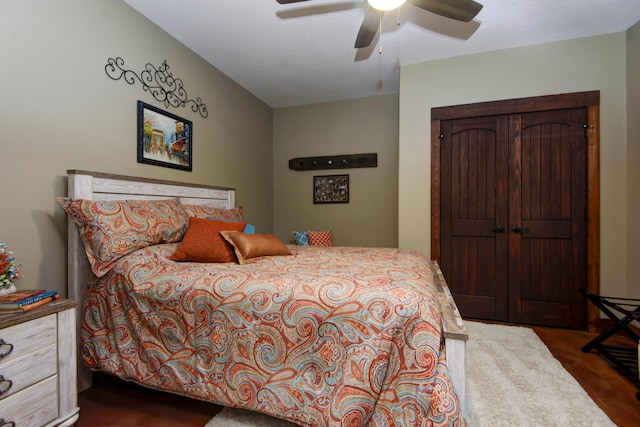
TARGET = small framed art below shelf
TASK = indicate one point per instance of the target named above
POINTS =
(331, 189)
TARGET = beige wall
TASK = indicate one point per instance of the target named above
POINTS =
(633, 160)
(366, 125)
(596, 63)
(59, 111)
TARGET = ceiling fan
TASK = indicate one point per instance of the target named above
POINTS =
(460, 10)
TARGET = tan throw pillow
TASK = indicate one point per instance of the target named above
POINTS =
(253, 247)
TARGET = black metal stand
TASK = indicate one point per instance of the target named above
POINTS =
(622, 311)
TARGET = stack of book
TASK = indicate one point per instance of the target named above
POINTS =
(25, 299)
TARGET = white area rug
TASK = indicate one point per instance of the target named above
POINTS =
(512, 380)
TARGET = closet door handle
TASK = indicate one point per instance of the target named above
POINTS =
(516, 229)
(498, 229)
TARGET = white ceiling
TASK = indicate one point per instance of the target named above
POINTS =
(303, 53)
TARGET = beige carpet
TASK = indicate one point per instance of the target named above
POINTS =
(512, 380)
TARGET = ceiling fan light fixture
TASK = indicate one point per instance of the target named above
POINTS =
(386, 4)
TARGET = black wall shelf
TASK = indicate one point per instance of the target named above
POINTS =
(348, 161)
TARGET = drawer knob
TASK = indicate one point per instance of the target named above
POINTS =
(4, 423)
(5, 385)
(5, 350)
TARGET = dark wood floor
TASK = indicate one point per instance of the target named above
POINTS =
(113, 403)
(609, 389)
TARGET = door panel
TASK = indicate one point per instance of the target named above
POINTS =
(548, 265)
(473, 248)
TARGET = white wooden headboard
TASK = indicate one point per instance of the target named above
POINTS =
(103, 186)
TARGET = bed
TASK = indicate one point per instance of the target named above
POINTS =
(320, 336)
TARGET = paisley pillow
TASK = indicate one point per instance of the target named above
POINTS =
(112, 229)
(234, 214)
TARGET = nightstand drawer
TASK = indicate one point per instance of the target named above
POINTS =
(27, 337)
(34, 406)
(24, 371)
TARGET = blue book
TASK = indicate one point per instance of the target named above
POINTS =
(28, 300)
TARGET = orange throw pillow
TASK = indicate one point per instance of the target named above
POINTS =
(203, 243)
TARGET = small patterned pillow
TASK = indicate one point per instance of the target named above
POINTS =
(302, 238)
(320, 238)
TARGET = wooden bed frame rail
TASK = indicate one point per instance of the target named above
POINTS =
(455, 336)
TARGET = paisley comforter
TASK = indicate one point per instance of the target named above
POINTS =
(327, 336)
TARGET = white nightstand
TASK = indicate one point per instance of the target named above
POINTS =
(38, 366)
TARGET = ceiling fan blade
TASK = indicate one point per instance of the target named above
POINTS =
(302, 11)
(460, 10)
(369, 27)
(290, 1)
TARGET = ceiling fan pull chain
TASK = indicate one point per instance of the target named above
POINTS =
(380, 27)
(380, 31)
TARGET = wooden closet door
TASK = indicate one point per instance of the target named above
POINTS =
(513, 195)
(474, 214)
(547, 217)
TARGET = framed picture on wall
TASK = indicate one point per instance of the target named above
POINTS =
(331, 189)
(164, 139)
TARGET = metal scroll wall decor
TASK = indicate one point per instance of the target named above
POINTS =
(159, 82)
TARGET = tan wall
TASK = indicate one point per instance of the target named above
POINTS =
(366, 125)
(633, 160)
(59, 111)
(596, 63)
